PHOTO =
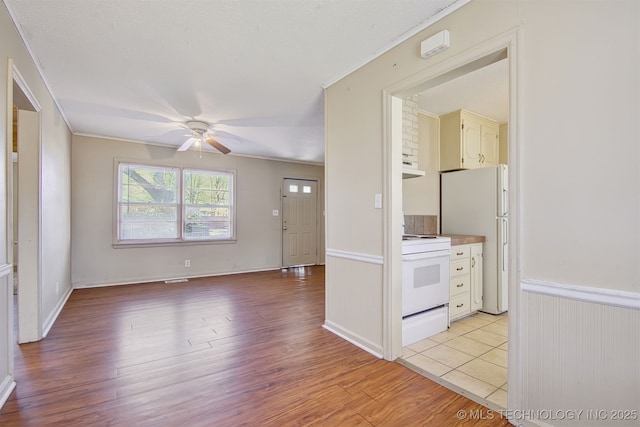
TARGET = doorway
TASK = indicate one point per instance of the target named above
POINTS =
(460, 66)
(299, 222)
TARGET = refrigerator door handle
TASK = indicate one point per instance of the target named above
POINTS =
(504, 186)
(505, 242)
(505, 202)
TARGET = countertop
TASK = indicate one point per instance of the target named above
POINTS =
(457, 239)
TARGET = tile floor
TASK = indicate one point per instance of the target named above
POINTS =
(471, 354)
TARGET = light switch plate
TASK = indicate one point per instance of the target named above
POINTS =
(377, 201)
(275, 212)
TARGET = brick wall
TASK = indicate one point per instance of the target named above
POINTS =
(410, 132)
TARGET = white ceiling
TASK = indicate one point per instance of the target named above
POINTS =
(254, 69)
(484, 91)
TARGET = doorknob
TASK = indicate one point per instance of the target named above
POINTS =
(284, 228)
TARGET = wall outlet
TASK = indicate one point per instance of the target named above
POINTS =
(57, 288)
(275, 212)
(187, 263)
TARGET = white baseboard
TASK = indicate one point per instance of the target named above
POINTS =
(6, 388)
(88, 285)
(5, 269)
(604, 296)
(48, 324)
(354, 339)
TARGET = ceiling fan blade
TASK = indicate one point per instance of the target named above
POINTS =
(188, 143)
(215, 144)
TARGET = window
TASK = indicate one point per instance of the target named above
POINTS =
(170, 204)
(207, 205)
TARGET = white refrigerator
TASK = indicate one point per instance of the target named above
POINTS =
(475, 202)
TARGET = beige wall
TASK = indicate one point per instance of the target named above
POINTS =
(258, 246)
(574, 165)
(421, 195)
(54, 176)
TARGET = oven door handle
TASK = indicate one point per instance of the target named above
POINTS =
(425, 255)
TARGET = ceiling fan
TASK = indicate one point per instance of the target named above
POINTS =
(200, 132)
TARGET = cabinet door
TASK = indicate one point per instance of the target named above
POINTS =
(489, 145)
(471, 143)
(476, 277)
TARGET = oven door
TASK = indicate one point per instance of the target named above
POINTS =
(425, 281)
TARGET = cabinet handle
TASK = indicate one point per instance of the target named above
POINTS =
(459, 253)
(459, 268)
(459, 305)
(473, 262)
(459, 285)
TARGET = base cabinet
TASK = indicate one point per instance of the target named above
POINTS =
(466, 280)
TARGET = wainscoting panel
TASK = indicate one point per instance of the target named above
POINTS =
(353, 289)
(581, 355)
(7, 382)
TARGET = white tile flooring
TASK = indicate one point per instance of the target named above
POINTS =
(471, 354)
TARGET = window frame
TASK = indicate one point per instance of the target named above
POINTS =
(180, 206)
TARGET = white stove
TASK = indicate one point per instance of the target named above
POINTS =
(417, 243)
(425, 286)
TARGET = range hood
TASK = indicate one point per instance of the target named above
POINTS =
(411, 173)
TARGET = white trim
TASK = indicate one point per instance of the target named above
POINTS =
(22, 84)
(604, 296)
(5, 390)
(355, 256)
(48, 324)
(5, 269)
(164, 278)
(412, 32)
(515, 373)
(354, 339)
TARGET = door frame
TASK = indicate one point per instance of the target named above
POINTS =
(29, 327)
(509, 44)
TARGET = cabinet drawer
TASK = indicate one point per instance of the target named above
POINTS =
(459, 267)
(460, 251)
(459, 305)
(460, 285)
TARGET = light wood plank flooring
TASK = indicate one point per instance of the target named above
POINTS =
(244, 349)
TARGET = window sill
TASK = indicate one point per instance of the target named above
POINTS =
(140, 244)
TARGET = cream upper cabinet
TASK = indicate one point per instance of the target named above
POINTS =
(467, 141)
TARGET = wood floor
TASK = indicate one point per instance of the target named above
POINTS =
(235, 350)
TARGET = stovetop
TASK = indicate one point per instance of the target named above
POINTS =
(418, 236)
(419, 243)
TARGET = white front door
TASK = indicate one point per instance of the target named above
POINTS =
(299, 222)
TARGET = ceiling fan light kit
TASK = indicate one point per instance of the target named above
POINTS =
(200, 132)
(198, 127)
